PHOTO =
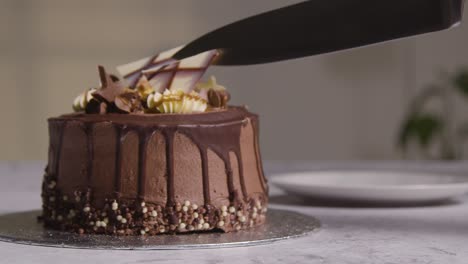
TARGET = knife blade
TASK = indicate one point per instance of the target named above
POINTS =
(322, 26)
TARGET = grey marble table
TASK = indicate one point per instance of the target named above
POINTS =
(428, 234)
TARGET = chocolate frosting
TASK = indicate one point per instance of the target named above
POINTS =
(218, 131)
(116, 165)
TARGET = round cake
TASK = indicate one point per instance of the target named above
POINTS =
(147, 173)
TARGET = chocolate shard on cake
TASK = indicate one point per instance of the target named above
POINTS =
(141, 160)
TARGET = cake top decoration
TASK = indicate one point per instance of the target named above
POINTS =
(133, 71)
(82, 100)
(157, 84)
(111, 87)
(177, 102)
(216, 94)
(111, 97)
(163, 72)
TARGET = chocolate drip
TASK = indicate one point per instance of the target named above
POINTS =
(206, 178)
(221, 140)
(241, 173)
(88, 129)
(143, 137)
(169, 139)
(56, 141)
(261, 174)
(118, 157)
(230, 178)
(219, 132)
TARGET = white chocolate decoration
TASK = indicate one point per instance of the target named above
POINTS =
(202, 88)
(210, 84)
(163, 72)
(176, 102)
(132, 71)
(80, 102)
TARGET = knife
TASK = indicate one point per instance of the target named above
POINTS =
(322, 26)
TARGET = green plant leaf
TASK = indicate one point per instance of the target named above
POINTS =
(421, 127)
(461, 81)
(406, 132)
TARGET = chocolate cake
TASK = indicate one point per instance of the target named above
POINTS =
(136, 160)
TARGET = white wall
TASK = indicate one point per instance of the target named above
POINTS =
(340, 106)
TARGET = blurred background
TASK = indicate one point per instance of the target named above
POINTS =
(350, 105)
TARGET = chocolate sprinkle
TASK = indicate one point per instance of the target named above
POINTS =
(83, 218)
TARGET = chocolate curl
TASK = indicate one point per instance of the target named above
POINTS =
(111, 87)
(103, 76)
(113, 97)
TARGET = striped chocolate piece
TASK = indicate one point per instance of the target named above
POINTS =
(163, 72)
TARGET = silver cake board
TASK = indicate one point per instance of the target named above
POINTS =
(23, 228)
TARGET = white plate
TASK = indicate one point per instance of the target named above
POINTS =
(373, 186)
